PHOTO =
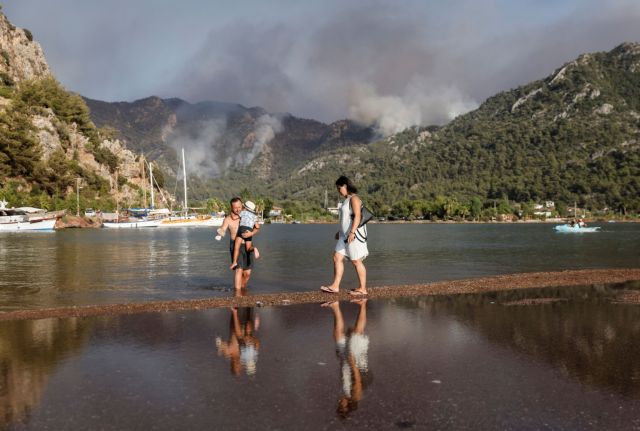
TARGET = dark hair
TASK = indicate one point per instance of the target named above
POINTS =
(234, 200)
(344, 180)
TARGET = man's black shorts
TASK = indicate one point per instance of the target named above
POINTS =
(245, 261)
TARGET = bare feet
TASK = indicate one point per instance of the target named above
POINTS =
(359, 301)
(329, 289)
(358, 292)
(256, 253)
(328, 303)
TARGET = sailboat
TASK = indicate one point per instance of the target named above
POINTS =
(187, 220)
(136, 221)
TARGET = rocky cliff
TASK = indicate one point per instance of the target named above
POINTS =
(48, 142)
(21, 57)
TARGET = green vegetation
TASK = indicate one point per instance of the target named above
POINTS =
(5, 80)
(573, 139)
(26, 178)
(5, 57)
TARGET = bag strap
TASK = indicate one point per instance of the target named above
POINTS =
(352, 215)
(360, 234)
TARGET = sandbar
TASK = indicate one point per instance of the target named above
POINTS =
(252, 299)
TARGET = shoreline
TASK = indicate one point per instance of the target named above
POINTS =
(472, 285)
(549, 221)
(81, 222)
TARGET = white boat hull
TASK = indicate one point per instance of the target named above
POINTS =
(25, 225)
(575, 229)
(131, 225)
(191, 222)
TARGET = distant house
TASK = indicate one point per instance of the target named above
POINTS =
(335, 210)
(545, 214)
(275, 212)
(544, 210)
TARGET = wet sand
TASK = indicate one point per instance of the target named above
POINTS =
(473, 285)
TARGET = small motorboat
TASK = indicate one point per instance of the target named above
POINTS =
(568, 228)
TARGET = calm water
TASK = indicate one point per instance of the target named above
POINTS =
(75, 267)
(448, 362)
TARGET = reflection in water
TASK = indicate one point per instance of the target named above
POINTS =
(242, 347)
(183, 250)
(153, 258)
(352, 349)
(435, 360)
(578, 330)
(30, 351)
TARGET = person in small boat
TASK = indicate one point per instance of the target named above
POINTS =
(248, 221)
(351, 240)
(581, 223)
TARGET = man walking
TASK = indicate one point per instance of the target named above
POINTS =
(231, 222)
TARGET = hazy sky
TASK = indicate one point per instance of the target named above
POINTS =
(396, 63)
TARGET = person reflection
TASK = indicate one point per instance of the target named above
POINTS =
(242, 347)
(352, 350)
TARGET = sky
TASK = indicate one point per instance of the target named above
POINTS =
(392, 64)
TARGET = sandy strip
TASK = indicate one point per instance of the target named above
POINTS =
(473, 285)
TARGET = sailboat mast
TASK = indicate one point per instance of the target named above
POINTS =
(117, 199)
(144, 180)
(153, 204)
(184, 175)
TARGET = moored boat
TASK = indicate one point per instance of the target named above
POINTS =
(17, 226)
(192, 221)
(25, 219)
(567, 228)
(130, 224)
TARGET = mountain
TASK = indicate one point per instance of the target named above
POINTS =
(573, 136)
(221, 137)
(49, 147)
(570, 137)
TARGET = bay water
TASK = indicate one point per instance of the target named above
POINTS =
(98, 266)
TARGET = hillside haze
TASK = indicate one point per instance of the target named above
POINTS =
(220, 138)
(572, 137)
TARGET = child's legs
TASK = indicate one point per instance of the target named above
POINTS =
(236, 248)
(248, 245)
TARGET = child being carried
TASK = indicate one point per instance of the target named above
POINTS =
(248, 218)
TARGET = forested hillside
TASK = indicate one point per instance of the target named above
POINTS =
(571, 137)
